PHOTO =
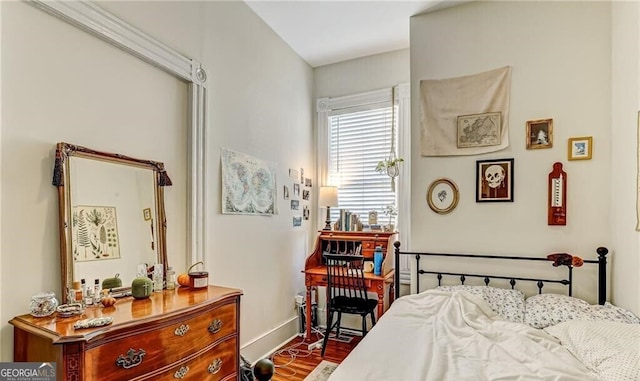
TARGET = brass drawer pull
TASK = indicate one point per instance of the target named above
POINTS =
(215, 366)
(182, 330)
(180, 373)
(215, 326)
(132, 359)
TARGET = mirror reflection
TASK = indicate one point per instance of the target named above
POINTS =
(111, 214)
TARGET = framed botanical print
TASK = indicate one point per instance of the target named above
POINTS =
(494, 180)
(442, 196)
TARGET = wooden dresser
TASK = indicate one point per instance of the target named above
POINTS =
(174, 334)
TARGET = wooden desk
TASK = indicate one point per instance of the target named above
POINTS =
(347, 242)
(379, 284)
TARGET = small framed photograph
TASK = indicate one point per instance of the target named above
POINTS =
(295, 205)
(297, 221)
(580, 148)
(146, 212)
(296, 190)
(442, 196)
(285, 192)
(494, 180)
(540, 134)
(305, 194)
(479, 130)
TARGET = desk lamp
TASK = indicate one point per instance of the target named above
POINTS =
(328, 197)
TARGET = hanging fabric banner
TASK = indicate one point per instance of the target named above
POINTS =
(466, 115)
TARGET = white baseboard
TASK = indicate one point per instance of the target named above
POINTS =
(270, 341)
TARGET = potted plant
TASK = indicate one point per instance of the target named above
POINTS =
(391, 212)
(390, 167)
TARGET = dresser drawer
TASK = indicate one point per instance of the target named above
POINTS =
(133, 355)
(218, 363)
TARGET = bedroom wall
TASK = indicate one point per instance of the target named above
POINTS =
(560, 54)
(625, 103)
(359, 75)
(61, 84)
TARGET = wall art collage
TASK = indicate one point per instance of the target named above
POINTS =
(299, 198)
(495, 177)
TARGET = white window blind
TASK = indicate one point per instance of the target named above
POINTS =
(360, 137)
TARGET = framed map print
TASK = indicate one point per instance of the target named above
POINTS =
(248, 184)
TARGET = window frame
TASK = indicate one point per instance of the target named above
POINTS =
(328, 105)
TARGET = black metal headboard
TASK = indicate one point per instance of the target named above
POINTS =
(601, 262)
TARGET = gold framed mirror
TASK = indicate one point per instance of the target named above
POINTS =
(111, 214)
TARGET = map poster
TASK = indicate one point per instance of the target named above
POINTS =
(479, 130)
(248, 184)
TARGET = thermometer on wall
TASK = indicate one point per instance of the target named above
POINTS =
(557, 203)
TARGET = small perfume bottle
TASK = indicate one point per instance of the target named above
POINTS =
(158, 279)
(86, 293)
(96, 292)
(171, 278)
(77, 290)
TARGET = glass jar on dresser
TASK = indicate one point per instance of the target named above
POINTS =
(172, 334)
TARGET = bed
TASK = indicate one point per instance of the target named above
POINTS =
(481, 332)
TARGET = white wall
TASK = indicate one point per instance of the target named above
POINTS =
(60, 84)
(260, 103)
(1, 261)
(359, 75)
(560, 53)
(625, 103)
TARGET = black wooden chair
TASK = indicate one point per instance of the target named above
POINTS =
(346, 292)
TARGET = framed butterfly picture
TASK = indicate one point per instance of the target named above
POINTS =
(443, 196)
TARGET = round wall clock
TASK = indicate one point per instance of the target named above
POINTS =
(442, 196)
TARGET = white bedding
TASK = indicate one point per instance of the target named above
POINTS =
(440, 336)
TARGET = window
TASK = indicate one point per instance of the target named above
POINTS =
(354, 134)
(360, 137)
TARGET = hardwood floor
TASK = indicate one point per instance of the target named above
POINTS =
(294, 361)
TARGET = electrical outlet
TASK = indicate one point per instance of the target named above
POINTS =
(316, 345)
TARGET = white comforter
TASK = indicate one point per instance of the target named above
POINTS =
(440, 336)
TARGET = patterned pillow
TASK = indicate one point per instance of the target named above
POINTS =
(509, 304)
(545, 310)
(623, 313)
(608, 348)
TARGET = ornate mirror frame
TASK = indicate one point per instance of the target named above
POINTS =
(62, 179)
(92, 19)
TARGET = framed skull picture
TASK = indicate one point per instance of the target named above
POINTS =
(494, 180)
